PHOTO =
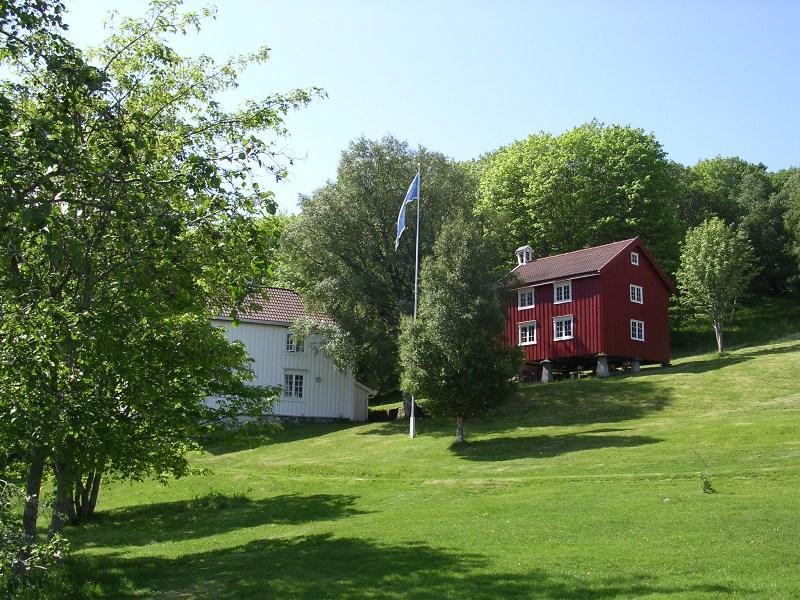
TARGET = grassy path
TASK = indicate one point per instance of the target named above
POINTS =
(579, 489)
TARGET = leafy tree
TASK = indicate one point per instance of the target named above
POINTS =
(789, 194)
(342, 246)
(763, 223)
(129, 212)
(591, 185)
(712, 188)
(452, 354)
(716, 269)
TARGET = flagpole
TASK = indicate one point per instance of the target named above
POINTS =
(412, 428)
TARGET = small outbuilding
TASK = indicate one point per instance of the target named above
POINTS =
(312, 386)
(597, 308)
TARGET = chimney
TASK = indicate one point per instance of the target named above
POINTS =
(524, 255)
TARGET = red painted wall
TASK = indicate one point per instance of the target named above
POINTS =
(585, 308)
(615, 281)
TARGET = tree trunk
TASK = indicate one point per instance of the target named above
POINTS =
(406, 405)
(94, 492)
(63, 507)
(33, 488)
(84, 496)
(459, 430)
(718, 333)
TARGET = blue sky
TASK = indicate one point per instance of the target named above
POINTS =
(464, 77)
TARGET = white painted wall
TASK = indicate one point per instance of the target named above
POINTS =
(328, 392)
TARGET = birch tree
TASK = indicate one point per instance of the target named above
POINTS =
(715, 270)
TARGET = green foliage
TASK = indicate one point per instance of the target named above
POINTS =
(452, 355)
(129, 214)
(712, 187)
(342, 246)
(592, 185)
(745, 195)
(790, 196)
(40, 566)
(716, 269)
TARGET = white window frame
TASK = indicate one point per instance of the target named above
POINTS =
(524, 292)
(291, 346)
(293, 385)
(564, 319)
(563, 285)
(528, 325)
(635, 259)
(636, 293)
(635, 329)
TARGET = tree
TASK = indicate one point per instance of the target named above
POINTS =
(763, 223)
(129, 213)
(712, 188)
(452, 355)
(592, 185)
(716, 269)
(789, 195)
(342, 245)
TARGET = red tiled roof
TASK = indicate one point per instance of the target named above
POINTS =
(275, 305)
(570, 264)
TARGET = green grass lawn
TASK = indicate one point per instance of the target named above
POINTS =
(585, 489)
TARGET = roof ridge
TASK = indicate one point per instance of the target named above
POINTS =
(581, 250)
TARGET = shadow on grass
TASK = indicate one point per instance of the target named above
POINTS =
(545, 446)
(323, 566)
(563, 403)
(581, 403)
(205, 516)
(274, 434)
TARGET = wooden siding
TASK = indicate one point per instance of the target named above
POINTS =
(616, 279)
(328, 392)
(585, 307)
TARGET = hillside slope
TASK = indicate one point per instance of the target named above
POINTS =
(577, 489)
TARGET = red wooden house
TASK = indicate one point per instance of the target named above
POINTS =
(597, 308)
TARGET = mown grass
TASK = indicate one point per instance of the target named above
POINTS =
(577, 489)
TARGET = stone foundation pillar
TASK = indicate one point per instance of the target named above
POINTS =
(635, 365)
(602, 365)
(547, 371)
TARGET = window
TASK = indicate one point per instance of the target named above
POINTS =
(562, 328)
(525, 298)
(637, 330)
(562, 292)
(527, 333)
(635, 258)
(292, 385)
(291, 346)
(637, 294)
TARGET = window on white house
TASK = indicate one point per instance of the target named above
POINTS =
(527, 333)
(562, 292)
(292, 385)
(635, 258)
(291, 346)
(525, 298)
(562, 328)
(637, 294)
(637, 330)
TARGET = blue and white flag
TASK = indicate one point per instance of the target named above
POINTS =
(411, 195)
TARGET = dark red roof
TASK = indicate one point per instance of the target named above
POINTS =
(570, 264)
(275, 305)
(588, 261)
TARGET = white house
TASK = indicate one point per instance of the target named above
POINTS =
(313, 386)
